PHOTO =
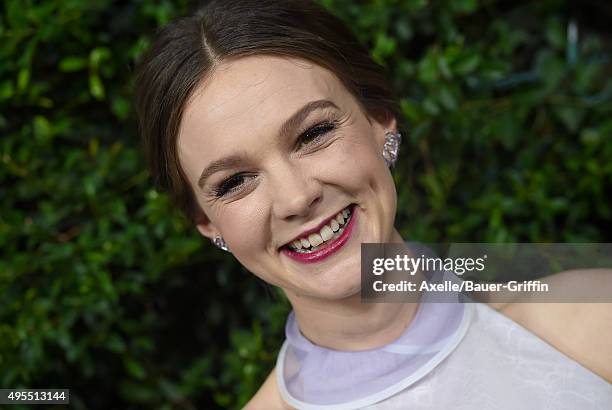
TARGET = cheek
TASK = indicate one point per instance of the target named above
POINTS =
(367, 177)
(243, 228)
(361, 165)
(245, 231)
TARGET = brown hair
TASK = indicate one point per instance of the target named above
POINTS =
(186, 50)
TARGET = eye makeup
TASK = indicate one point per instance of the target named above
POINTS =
(309, 138)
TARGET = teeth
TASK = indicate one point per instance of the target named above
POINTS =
(326, 233)
(335, 225)
(315, 239)
(333, 229)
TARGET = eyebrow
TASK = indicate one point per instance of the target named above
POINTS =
(290, 124)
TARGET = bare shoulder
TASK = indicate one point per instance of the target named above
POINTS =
(268, 396)
(581, 331)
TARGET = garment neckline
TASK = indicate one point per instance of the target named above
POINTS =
(318, 378)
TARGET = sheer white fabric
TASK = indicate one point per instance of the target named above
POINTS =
(501, 365)
(497, 364)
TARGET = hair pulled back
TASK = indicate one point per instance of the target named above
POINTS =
(186, 51)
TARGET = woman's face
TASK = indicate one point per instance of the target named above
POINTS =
(274, 148)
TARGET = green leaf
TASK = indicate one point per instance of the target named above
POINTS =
(23, 78)
(467, 63)
(447, 99)
(6, 90)
(97, 56)
(430, 107)
(135, 369)
(121, 107)
(96, 88)
(70, 64)
(42, 128)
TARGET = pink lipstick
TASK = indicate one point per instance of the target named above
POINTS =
(327, 249)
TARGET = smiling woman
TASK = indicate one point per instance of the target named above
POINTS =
(274, 131)
(277, 148)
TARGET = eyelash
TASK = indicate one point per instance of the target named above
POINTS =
(308, 137)
(316, 132)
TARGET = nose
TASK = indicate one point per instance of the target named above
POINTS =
(295, 192)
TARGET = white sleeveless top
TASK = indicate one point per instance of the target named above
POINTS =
(489, 362)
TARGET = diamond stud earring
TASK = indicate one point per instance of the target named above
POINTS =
(391, 147)
(220, 243)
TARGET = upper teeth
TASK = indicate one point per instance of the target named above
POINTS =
(325, 234)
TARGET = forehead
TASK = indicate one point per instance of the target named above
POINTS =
(257, 83)
(251, 95)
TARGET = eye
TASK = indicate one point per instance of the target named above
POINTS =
(231, 184)
(312, 135)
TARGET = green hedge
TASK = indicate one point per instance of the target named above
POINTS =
(106, 290)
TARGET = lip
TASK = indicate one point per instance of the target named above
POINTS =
(329, 249)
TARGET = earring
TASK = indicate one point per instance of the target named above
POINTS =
(391, 147)
(220, 243)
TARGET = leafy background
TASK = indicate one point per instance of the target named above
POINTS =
(106, 290)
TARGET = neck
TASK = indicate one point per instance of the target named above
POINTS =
(349, 325)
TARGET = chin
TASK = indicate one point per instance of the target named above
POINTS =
(340, 283)
(346, 292)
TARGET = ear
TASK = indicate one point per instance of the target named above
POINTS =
(382, 122)
(205, 226)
